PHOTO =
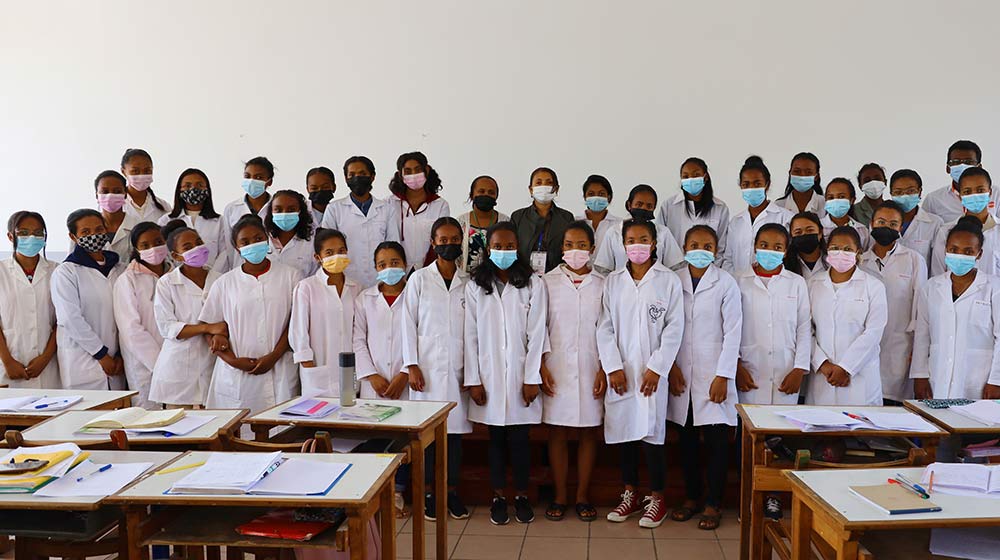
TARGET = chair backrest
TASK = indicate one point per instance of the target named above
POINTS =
(319, 443)
(119, 441)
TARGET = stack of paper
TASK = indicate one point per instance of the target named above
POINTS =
(823, 420)
(984, 412)
(184, 426)
(899, 421)
(261, 473)
(311, 408)
(980, 543)
(963, 479)
(94, 483)
(60, 457)
(35, 403)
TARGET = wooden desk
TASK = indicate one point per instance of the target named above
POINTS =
(759, 476)
(62, 428)
(364, 490)
(92, 400)
(420, 422)
(950, 420)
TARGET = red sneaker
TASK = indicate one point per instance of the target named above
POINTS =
(654, 514)
(628, 507)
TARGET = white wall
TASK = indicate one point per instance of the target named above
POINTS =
(627, 89)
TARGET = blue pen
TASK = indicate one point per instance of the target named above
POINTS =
(46, 405)
(919, 488)
(100, 470)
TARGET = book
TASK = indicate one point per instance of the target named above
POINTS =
(823, 420)
(34, 403)
(261, 474)
(311, 408)
(59, 460)
(983, 449)
(963, 479)
(281, 524)
(369, 412)
(984, 412)
(134, 417)
(893, 499)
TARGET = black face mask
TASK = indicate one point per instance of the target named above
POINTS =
(641, 214)
(484, 202)
(360, 185)
(806, 243)
(884, 236)
(448, 252)
(321, 197)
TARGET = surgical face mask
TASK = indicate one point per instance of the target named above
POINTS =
(253, 187)
(638, 253)
(693, 185)
(959, 265)
(976, 203)
(139, 182)
(884, 235)
(391, 276)
(806, 243)
(576, 258)
(321, 197)
(753, 197)
(448, 252)
(255, 253)
(841, 261)
(802, 183)
(699, 258)
(196, 257)
(154, 255)
(30, 245)
(111, 202)
(194, 197)
(641, 214)
(596, 203)
(335, 264)
(360, 185)
(907, 201)
(956, 171)
(93, 243)
(503, 259)
(484, 202)
(415, 182)
(838, 207)
(286, 220)
(543, 193)
(769, 260)
(873, 189)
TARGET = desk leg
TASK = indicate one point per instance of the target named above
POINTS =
(261, 432)
(441, 488)
(387, 523)
(417, 485)
(131, 548)
(357, 540)
(801, 530)
(746, 487)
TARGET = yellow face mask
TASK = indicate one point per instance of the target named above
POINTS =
(335, 264)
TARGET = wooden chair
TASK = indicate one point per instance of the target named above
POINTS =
(119, 441)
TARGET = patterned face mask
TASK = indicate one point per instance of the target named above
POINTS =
(93, 243)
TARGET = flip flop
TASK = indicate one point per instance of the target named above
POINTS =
(585, 511)
(684, 513)
(710, 522)
(555, 512)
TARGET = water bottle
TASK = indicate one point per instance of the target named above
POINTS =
(347, 388)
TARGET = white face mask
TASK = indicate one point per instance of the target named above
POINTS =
(873, 189)
(543, 193)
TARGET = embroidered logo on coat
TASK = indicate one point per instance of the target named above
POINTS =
(655, 312)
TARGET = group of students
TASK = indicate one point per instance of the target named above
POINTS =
(593, 325)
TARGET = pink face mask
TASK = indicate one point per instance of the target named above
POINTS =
(154, 255)
(140, 182)
(576, 258)
(638, 254)
(841, 261)
(196, 257)
(111, 202)
(415, 182)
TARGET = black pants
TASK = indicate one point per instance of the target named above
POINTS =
(454, 461)
(655, 462)
(716, 438)
(514, 438)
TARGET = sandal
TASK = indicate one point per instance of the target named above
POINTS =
(710, 522)
(684, 513)
(555, 512)
(585, 511)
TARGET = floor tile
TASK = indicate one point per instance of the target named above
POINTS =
(548, 548)
(404, 545)
(689, 549)
(619, 549)
(730, 548)
(604, 529)
(730, 527)
(565, 528)
(671, 529)
(479, 524)
(483, 547)
(455, 526)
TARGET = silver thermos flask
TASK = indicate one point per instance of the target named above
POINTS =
(347, 387)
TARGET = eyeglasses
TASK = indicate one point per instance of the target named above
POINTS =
(28, 232)
(913, 190)
(966, 161)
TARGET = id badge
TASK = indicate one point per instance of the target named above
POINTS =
(538, 259)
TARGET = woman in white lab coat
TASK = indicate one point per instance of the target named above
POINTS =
(254, 368)
(378, 326)
(597, 196)
(82, 294)
(433, 350)
(695, 204)
(135, 289)
(505, 310)
(702, 402)
(322, 324)
(321, 184)
(416, 205)
(806, 255)
(849, 315)
(638, 337)
(111, 187)
(143, 205)
(290, 227)
(920, 227)
(840, 196)
(804, 191)
(956, 351)
(904, 273)
(755, 182)
(27, 318)
(641, 203)
(183, 369)
(193, 205)
(976, 188)
(573, 382)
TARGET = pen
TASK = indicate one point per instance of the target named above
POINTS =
(181, 468)
(46, 405)
(914, 484)
(857, 417)
(100, 470)
(908, 487)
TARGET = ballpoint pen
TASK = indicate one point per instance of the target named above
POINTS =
(100, 470)
(916, 486)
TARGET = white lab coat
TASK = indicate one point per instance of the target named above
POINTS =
(138, 335)
(298, 254)
(921, 233)
(819, 268)
(989, 262)
(957, 343)
(947, 204)
(713, 324)
(678, 214)
(414, 228)
(574, 360)
(121, 241)
(829, 226)
(363, 233)
(378, 339)
(740, 233)
(213, 233)
(610, 224)
(230, 215)
(817, 204)
(148, 212)
(847, 330)
(322, 327)
(641, 328)
(505, 340)
(183, 369)
(611, 254)
(317, 216)
(257, 312)
(85, 318)
(434, 339)
(904, 274)
(27, 318)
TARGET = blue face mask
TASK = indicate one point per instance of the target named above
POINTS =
(838, 207)
(907, 201)
(769, 260)
(253, 187)
(956, 171)
(596, 203)
(693, 186)
(391, 276)
(699, 258)
(29, 245)
(959, 265)
(976, 203)
(503, 259)
(286, 220)
(255, 253)
(753, 197)
(802, 183)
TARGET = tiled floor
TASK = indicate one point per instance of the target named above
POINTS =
(477, 539)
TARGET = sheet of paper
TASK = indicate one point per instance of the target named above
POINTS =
(96, 484)
(229, 470)
(56, 470)
(819, 417)
(345, 445)
(301, 477)
(985, 412)
(52, 403)
(184, 426)
(16, 403)
(903, 421)
(980, 543)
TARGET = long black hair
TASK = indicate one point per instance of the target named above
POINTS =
(134, 152)
(704, 206)
(817, 188)
(485, 275)
(431, 186)
(16, 218)
(207, 208)
(792, 263)
(137, 231)
(303, 229)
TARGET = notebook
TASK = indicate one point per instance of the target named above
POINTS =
(281, 524)
(34, 403)
(134, 417)
(964, 479)
(823, 420)
(311, 408)
(893, 499)
(61, 458)
(984, 412)
(369, 412)
(261, 474)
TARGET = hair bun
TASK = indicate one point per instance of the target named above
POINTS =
(754, 160)
(970, 224)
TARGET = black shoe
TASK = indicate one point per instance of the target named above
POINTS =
(456, 509)
(522, 510)
(430, 509)
(498, 511)
(772, 508)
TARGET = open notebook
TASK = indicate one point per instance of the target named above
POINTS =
(134, 417)
(963, 479)
(260, 473)
(825, 420)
